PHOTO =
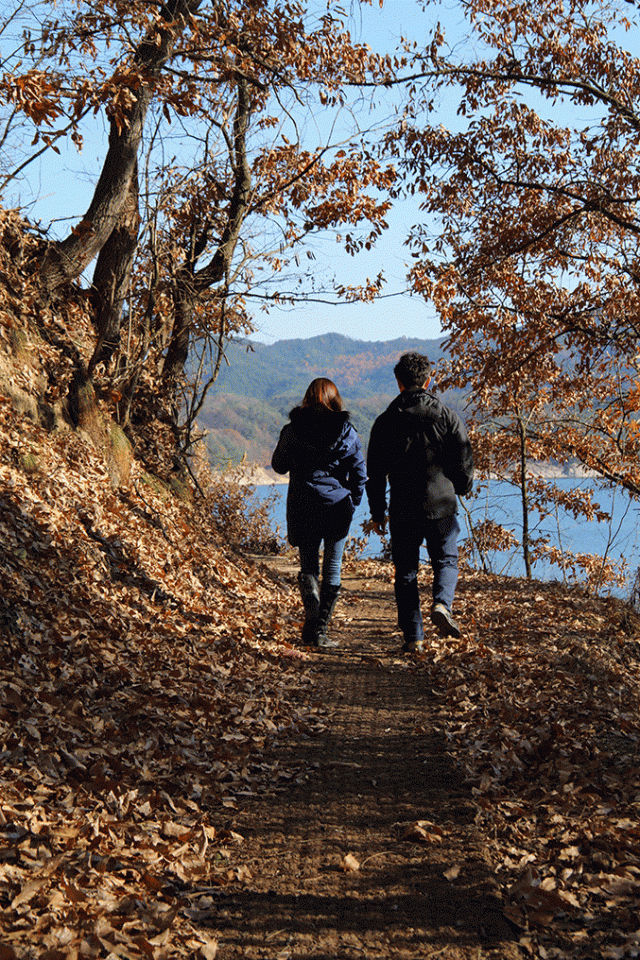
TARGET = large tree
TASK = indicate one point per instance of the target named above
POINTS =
(529, 242)
(222, 154)
(520, 139)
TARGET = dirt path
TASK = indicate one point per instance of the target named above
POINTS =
(372, 850)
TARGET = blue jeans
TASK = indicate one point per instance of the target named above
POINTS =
(309, 549)
(441, 537)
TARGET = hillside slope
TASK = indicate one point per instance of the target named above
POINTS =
(261, 383)
(146, 663)
(152, 696)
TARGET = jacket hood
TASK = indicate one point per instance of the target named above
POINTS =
(317, 426)
(417, 403)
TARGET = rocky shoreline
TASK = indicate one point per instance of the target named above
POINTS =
(253, 474)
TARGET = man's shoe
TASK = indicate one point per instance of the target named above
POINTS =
(413, 646)
(442, 619)
(323, 642)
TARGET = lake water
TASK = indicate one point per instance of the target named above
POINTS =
(619, 539)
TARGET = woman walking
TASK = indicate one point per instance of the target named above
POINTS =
(321, 451)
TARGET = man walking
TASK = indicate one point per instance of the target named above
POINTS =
(421, 447)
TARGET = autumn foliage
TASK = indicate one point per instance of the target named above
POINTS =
(237, 133)
(152, 685)
(207, 187)
(149, 668)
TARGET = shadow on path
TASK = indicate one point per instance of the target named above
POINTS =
(371, 851)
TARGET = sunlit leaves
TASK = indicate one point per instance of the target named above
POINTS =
(529, 249)
(145, 674)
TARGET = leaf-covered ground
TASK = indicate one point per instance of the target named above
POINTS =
(480, 800)
(177, 779)
(143, 679)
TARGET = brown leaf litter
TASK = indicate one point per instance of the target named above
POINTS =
(179, 779)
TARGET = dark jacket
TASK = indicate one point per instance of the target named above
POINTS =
(422, 448)
(321, 452)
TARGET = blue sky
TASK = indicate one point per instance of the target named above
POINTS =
(396, 314)
(64, 186)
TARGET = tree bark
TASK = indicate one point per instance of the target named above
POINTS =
(111, 277)
(64, 261)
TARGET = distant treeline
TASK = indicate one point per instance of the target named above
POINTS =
(254, 393)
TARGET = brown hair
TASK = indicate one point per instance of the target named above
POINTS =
(322, 392)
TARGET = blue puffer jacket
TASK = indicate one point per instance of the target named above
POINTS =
(321, 452)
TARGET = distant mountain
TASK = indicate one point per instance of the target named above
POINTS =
(254, 393)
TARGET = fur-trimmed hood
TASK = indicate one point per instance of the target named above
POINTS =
(318, 427)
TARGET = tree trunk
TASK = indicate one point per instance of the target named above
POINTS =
(65, 260)
(191, 284)
(524, 493)
(111, 277)
(184, 302)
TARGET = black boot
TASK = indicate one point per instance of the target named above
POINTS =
(328, 599)
(310, 593)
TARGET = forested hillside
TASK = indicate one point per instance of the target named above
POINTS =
(256, 390)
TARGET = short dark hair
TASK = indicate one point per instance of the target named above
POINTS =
(412, 370)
